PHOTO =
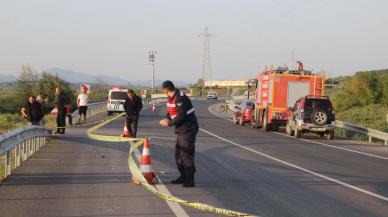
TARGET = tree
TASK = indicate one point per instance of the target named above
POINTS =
(99, 91)
(48, 83)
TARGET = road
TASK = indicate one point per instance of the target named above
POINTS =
(238, 168)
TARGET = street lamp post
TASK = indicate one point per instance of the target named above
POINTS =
(151, 57)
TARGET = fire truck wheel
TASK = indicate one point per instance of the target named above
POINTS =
(266, 126)
(298, 133)
(275, 127)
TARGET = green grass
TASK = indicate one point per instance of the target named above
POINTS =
(372, 116)
(11, 121)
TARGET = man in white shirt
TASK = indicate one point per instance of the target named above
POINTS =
(82, 103)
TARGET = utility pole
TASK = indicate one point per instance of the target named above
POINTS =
(151, 57)
(206, 67)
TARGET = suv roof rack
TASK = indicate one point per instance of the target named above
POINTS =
(316, 97)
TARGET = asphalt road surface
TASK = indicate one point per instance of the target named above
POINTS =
(238, 168)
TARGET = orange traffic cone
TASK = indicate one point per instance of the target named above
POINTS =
(145, 164)
(153, 107)
(125, 131)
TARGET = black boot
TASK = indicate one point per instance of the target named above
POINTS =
(189, 181)
(179, 180)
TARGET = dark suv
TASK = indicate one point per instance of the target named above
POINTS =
(312, 114)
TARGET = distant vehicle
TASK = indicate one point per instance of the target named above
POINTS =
(212, 95)
(276, 89)
(244, 113)
(312, 114)
(116, 99)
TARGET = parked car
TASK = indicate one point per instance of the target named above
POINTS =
(212, 95)
(116, 99)
(312, 114)
(244, 112)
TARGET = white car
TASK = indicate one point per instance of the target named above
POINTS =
(116, 99)
(212, 95)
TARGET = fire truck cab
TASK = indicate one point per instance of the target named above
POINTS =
(277, 89)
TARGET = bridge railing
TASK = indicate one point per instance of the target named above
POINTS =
(18, 145)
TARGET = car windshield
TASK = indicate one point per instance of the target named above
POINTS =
(318, 103)
(118, 95)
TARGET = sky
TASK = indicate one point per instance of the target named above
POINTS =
(113, 37)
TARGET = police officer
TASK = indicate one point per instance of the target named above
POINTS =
(180, 113)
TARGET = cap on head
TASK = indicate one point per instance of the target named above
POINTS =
(130, 91)
(168, 85)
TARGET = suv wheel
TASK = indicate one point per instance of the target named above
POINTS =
(330, 136)
(298, 133)
(319, 117)
(110, 113)
(289, 130)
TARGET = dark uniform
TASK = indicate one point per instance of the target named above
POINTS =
(62, 102)
(180, 113)
(132, 109)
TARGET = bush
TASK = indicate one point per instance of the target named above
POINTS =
(363, 89)
(372, 116)
(11, 121)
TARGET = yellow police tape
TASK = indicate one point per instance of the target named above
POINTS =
(136, 173)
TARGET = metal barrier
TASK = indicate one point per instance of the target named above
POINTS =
(371, 133)
(93, 109)
(18, 145)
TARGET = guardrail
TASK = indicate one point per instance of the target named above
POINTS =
(18, 145)
(93, 108)
(371, 133)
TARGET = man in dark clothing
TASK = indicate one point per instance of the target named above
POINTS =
(180, 113)
(33, 111)
(132, 107)
(62, 104)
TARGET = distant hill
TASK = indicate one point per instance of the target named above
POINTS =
(80, 77)
(8, 78)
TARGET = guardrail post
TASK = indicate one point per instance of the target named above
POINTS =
(13, 162)
(344, 133)
(370, 139)
(18, 155)
(8, 170)
(386, 142)
(3, 167)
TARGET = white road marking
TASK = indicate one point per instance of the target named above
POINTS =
(175, 207)
(315, 142)
(301, 168)
(341, 148)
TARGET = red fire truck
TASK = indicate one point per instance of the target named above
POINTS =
(276, 89)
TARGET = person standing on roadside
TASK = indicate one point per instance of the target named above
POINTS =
(180, 113)
(62, 104)
(40, 99)
(82, 104)
(132, 106)
(32, 111)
